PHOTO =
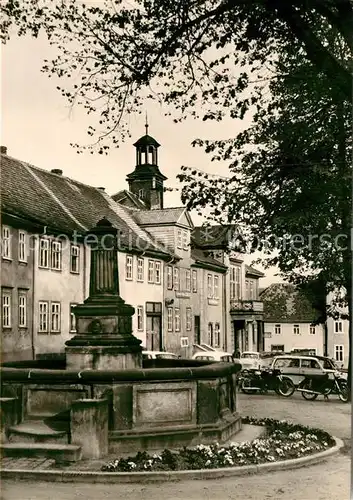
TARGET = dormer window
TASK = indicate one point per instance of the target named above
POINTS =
(153, 183)
(141, 194)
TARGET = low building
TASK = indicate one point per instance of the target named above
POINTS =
(338, 334)
(290, 321)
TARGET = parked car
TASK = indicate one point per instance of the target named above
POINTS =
(159, 355)
(250, 360)
(214, 356)
(298, 367)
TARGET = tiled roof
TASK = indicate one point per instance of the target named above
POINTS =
(200, 258)
(253, 272)
(65, 205)
(284, 303)
(160, 216)
(135, 200)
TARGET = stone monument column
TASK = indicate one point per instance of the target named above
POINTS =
(104, 339)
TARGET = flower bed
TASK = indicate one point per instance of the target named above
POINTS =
(282, 441)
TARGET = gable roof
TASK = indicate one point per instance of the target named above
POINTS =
(251, 271)
(126, 196)
(166, 216)
(284, 303)
(65, 205)
(206, 261)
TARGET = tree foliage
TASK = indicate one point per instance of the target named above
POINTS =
(181, 52)
(288, 62)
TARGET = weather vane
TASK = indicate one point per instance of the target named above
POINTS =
(146, 124)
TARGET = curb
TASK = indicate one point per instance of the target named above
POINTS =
(147, 477)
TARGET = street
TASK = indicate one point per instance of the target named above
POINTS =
(326, 481)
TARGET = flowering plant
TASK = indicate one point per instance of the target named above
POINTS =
(282, 440)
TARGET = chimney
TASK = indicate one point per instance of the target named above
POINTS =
(56, 171)
(101, 188)
(4, 150)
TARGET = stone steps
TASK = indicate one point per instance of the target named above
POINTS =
(59, 452)
(35, 431)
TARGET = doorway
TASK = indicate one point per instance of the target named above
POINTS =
(197, 330)
(153, 333)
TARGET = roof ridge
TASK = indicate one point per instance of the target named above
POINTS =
(34, 167)
(50, 192)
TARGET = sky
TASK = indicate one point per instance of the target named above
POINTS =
(37, 126)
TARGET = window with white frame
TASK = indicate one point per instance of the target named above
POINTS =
(278, 329)
(151, 271)
(216, 286)
(169, 278)
(188, 280)
(170, 319)
(217, 335)
(194, 280)
(296, 330)
(56, 255)
(184, 341)
(74, 259)
(43, 325)
(209, 286)
(179, 238)
(140, 268)
(338, 327)
(73, 327)
(44, 252)
(312, 330)
(251, 289)
(157, 272)
(22, 246)
(177, 319)
(55, 317)
(247, 290)
(141, 194)
(140, 318)
(339, 353)
(6, 242)
(185, 240)
(22, 308)
(6, 308)
(176, 278)
(210, 334)
(237, 282)
(188, 318)
(128, 267)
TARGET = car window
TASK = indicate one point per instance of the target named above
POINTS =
(328, 365)
(294, 363)
(204, 358)
(227, 358)
(282, 362)
(310, 363)
(165, 356)
(249, 356)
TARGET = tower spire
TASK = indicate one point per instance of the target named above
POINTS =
(146, 124)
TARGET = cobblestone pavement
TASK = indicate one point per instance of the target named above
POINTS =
(326, 481)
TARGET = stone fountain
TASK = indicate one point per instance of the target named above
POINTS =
(104, 401)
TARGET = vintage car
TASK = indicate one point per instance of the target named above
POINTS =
(298, 367)
(159, 355)
(250, 360)
(214, 356)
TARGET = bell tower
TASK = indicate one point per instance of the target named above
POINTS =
(146, 181)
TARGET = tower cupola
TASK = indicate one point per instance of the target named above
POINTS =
(146, 181)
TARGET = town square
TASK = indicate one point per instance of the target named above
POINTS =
(176, 261)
